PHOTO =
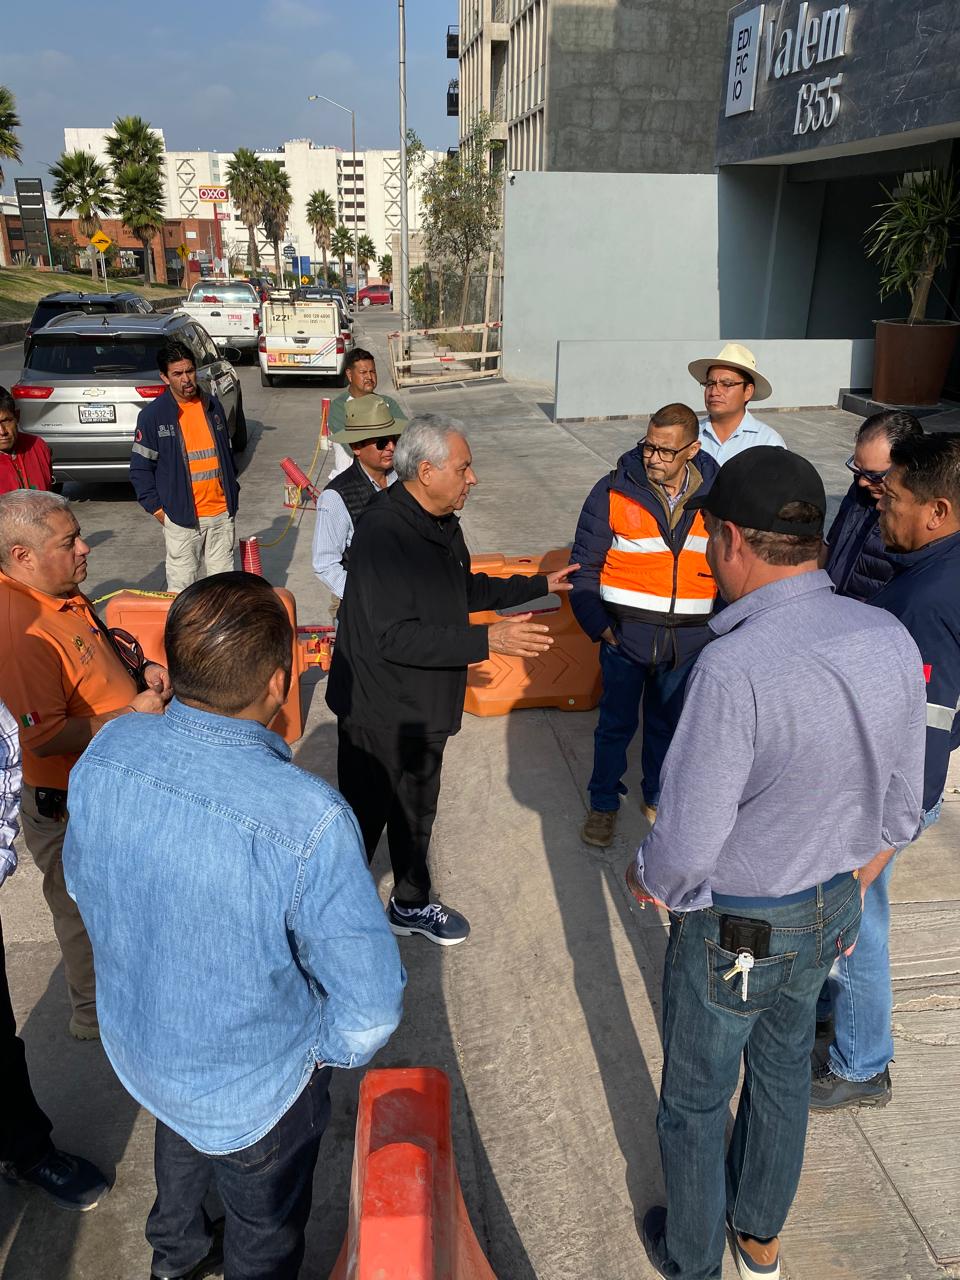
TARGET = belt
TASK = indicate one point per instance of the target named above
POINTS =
(804, 895)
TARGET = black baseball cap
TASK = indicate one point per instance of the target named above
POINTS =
(752, 487)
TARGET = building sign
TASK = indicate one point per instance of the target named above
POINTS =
(789, 50)
(215, 194)
(33, 219)
(744, 61)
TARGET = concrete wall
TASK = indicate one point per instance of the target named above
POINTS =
(605, 256)
(633, 85)
(654, 373)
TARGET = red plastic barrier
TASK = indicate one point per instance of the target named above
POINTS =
(567, 676)
(146, 616)
(407, 1216)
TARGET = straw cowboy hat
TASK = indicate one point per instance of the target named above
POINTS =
(367, 417)
(734, 356)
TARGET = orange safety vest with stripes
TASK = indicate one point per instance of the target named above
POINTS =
(643, 572)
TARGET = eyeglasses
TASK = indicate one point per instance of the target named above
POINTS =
(661, 451)
(726, 383)
(871, 477)
(381, 442)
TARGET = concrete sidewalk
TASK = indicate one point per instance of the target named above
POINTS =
(547, 1019)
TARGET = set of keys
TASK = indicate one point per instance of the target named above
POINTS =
(743, 966)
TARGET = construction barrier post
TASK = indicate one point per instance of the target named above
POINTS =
(567, 676)
(408, 1220)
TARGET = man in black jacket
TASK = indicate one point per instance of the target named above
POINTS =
(405, 641)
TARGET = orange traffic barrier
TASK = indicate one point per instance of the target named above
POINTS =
(145, 618)
(408, 1220)
(566, 676)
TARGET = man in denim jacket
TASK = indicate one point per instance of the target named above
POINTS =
(240, 946)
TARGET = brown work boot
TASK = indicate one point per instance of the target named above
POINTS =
(599, 827)
(755, 1259)
(649, 811)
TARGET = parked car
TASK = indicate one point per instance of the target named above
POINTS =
(229, 310)
(90, 304)
(375, 295)
(86, 378)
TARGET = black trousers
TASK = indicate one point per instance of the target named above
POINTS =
(393, 782)
(266, 1191)
(24, 1129)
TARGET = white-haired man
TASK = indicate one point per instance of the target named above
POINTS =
(405, 641)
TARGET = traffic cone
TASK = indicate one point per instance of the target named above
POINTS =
(250, 556)
(324, 424)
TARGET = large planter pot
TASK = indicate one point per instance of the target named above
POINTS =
(910, 361)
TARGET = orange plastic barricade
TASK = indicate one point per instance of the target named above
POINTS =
(566, 676)
(145, 618)
(407, 1216)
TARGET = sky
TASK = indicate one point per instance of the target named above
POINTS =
(218, 76)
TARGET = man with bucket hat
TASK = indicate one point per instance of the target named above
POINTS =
(370, 432)
(730, 382)
(795, 771)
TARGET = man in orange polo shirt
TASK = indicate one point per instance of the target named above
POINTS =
(63, 680)
(182, 469)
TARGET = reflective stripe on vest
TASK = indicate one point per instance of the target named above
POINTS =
(639, 568)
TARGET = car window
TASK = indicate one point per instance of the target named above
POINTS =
(72, 355)
(189, 335)
(207, 344)
(211, 291)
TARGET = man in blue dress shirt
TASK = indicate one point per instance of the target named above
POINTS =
(794, 774)
(731, 382)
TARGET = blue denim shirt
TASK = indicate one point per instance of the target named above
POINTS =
(237, 933)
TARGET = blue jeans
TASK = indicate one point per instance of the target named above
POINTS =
(707, 1029)
(625, 682)
(858, 989)
(266, 1191)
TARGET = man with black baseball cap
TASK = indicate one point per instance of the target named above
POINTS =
(795, 772)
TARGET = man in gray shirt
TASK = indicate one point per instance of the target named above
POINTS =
(795, 772)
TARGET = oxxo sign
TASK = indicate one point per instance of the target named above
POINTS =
(215, 194)
(788, 50)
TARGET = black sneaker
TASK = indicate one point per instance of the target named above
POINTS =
(70, 1181)
(653, 1234)
(830, 1092)
(440, 924)
(213, 1261)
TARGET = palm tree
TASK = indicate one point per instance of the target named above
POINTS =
(136, 157)
(245, 179)
(140, 205)
(81, 182)
(386, 268)
(322, 217)
(341, 245)
(366, 253)
(277, 202)
(9, 124)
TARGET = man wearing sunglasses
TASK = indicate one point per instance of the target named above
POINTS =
(731, 382)
(857, 560)
(370, 432)
(645, 591)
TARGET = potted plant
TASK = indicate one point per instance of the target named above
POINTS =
(911, 239)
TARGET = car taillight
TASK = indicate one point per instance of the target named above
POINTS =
(341, 348)
(256, 319)
(151, 392)
(262, 343)
(31, 393)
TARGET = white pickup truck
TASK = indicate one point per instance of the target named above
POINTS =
(301, 339)
(229, 310)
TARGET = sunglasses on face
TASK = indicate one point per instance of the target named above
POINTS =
(726, 383)
(382, 442)
(871, 477)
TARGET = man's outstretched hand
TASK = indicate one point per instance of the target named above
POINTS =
(518, 637)
(558, 581)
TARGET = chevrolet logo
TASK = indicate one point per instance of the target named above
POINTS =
(93, 392)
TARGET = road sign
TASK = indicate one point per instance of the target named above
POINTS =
(215, 194)
(183, 253)
(304, 279)
(289, 252)
(101, 242)
(222, 215)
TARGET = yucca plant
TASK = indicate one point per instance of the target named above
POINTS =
(915, 231)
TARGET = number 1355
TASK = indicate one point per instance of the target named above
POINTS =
(818, 105)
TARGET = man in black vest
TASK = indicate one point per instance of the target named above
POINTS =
(370, 432)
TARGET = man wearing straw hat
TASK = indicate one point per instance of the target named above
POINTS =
(730, 382)
(370, 433)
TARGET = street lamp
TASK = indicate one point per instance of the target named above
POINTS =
(322, 97)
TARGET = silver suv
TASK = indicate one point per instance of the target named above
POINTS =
(86, 378)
